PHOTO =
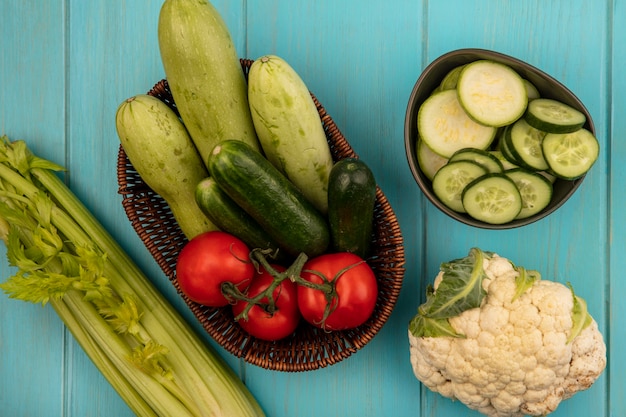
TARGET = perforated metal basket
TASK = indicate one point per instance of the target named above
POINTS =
(308, 348)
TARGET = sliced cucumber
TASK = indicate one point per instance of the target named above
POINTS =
(492, 93)
(535, 189)
(552, 116)
(570, 155)
(451, 179)
(492, 198)
(481, 157)
(524, 143)
(504, 148)
(506, 164)
(428, 161)
(550, 177)
(445, 127)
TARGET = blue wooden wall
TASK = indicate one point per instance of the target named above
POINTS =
(65, 65)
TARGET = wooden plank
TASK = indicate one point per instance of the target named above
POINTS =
(617, 239)
(67, 65)
(361, 61)
(127, 63)
(560, 247)
(32, 107)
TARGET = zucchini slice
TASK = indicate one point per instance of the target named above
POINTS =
(445, 127)
(429, 161)
(492, 93)
(450, 80)
(570, 155)
(531, 90)
(552, 116)
(492, 198)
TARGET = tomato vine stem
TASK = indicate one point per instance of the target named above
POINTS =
(266, 300)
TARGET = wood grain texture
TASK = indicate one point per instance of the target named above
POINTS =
(67, 64)
(616, 287)
(33, 341)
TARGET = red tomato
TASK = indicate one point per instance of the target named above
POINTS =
(263, 324)
(356, 286)
(210, 259)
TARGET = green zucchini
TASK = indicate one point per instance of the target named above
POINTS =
(289, 127)
(204, 74)
(270, 198)
(351, 201)
(161, 151)
(229, 217)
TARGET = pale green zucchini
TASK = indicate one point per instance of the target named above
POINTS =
(289, 127)
(161, 151)
(204, 74)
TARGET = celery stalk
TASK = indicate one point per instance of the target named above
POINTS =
(132, 398)
(169, 320)
(138, 340)
(160, 398)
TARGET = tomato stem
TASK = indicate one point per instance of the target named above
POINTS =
(266, 299)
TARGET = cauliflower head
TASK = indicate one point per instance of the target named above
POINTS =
(501, 340)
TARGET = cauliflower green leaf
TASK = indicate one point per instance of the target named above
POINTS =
(461, 287)
(580, 316)
(423, 326)
(524, 281)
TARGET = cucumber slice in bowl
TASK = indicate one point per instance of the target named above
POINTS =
(547, 86)
(535, 189)
(553, 116)
(445, 127)
(451, 179)
(506, 164)
(492, 93)
(492, 198)
(570, 155)
(524, 144)
(481, 157)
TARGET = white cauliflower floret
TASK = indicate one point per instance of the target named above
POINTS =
(516, 354)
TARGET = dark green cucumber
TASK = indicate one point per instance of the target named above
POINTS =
(269, 198)
(351, 200)
(229, 217)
